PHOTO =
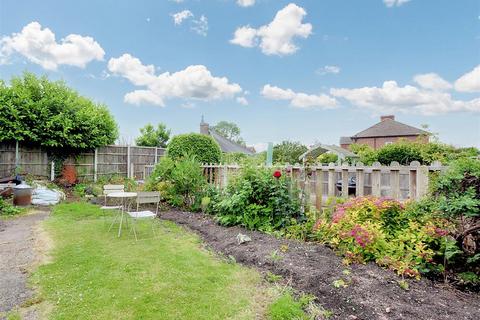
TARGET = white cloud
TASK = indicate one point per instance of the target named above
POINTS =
(432, 81)
(179, 17)
(245, 3)
(260, 146)
(200, 26)
(329, 69)
(277, 37)
(242, 100)
(39, 46)
(408, 99)
(299, 100)
(394, 3)
(194, 82)
(245, 37)
(177, 1)
(469, 82)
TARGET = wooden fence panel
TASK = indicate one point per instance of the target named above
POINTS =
(90, 165)
(395, 181)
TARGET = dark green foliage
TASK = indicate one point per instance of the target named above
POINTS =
(456, 195)
(37, 111)
(7, 209)
(257, 200)
(180, 182)
(203, 147)
(288, 152)
(404, 153)
(153, 137)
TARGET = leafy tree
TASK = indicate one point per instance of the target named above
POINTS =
(153, 137)
(288, 152)
(204, 148)
(327, 158)
(230, 131)
(52, 115)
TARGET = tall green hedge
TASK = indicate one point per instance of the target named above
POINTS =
(50, 114)
(203, 147)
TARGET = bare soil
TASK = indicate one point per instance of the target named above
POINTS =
(371, 292)
(18, 256)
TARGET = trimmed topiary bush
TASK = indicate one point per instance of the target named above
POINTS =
(204, 148)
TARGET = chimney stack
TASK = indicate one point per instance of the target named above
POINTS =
(390, 117)
(204, 128)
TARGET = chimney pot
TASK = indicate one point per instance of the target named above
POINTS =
(391, 117)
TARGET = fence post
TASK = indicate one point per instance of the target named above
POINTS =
(376, 179)
(360, 180)
(128, 161)
(225, 175)
(345, 182)
(422, 181)
(132, 170)
(95, 162)
(52, 171)
(331, 179)
(318, 188)
(413, 179)
(17, 157)
(395, 180)
(156, 155)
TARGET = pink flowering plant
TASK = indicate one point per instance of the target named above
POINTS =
(382, 230)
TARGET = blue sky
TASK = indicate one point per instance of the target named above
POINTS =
(304, 70)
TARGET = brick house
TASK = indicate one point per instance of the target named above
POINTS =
(387, 131)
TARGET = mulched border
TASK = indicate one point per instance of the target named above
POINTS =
(372, 292)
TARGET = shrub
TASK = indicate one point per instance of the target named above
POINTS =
(50, 114)
(382, 230)
(257, 200)
(7, 209)
(327, 158)
(179, 182)
(204, 148)
(288, 152)
(456, 194)
(405, 151)
(153, 137)
(402, 152)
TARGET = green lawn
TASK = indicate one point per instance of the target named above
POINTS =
(95, 275)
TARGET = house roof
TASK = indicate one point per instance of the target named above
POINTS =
(320, 148)
(346, 140)
(227, 145)
(389, 128)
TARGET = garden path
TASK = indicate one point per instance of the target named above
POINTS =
(18, 255)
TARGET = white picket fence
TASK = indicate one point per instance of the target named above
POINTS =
(320, 182)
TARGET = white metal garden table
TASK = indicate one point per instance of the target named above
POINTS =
(125, 198)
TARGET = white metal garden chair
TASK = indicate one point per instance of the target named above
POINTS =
(145, 198)
(107, 189)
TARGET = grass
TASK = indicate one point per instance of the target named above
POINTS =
(287, 308)
(95, 275)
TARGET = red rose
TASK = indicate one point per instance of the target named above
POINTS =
(277, 174)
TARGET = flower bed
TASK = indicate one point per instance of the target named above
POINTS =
(383, 230)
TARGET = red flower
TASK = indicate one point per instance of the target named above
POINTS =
(277, 174)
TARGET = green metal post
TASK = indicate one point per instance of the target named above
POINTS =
(270, 154)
